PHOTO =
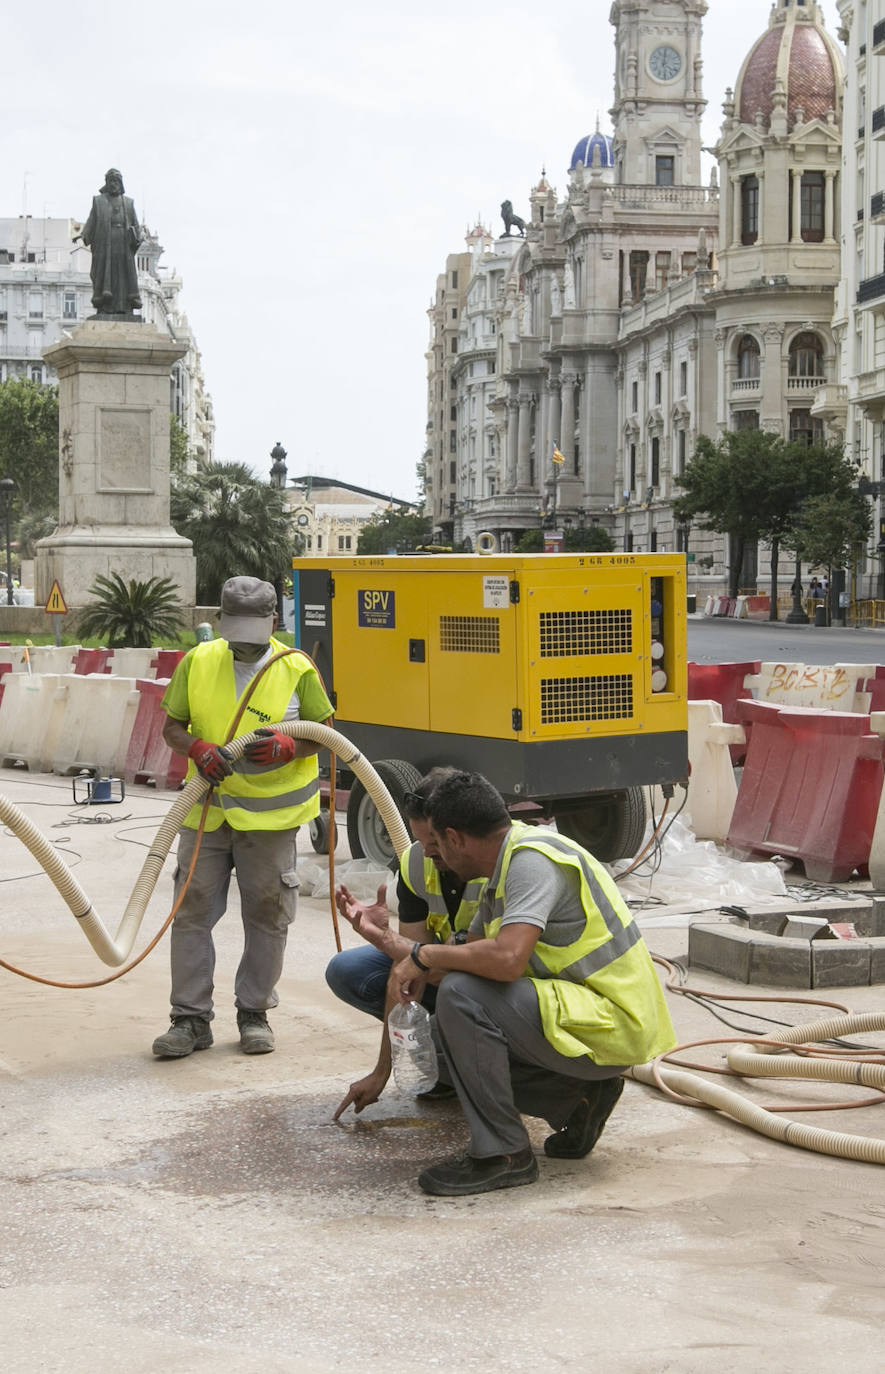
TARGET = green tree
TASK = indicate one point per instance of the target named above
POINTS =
(394, 530)
(131, 614)
(751, 484)
(831, 531)
(530, 541)
(237, 524)
(179, 453)
(588, 539)
(29, 444)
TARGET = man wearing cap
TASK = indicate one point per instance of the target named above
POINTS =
(256, 806)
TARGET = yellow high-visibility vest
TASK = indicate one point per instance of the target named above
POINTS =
(421, 876)
(255, 796)
(600, 995)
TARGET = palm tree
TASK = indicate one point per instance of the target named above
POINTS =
(236, 523)
(133, 614)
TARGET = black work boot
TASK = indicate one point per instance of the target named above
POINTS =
(586, 1123)
(256, 1036)
(467, 1174)
(186, 1034)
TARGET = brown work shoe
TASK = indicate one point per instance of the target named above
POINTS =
(186, 1034)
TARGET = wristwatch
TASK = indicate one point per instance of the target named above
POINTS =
(459, 937)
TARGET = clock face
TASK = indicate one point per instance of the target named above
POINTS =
(665, 64)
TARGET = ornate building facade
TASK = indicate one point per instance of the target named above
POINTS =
(645, 307)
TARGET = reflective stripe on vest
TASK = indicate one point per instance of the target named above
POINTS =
(599, 995)
(255, 796)
(421, 876)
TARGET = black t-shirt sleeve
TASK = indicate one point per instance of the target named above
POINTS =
(412, 909)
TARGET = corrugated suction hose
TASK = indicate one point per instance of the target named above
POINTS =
(116, 951)
(747, 1060)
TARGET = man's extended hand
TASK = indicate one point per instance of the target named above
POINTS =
(372, 922)
(273, 748)
(210, 760)
(363, 1092)
(408, 981)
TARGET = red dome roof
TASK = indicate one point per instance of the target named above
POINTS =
(806, 61)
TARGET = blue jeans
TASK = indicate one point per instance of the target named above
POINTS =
(359, 978)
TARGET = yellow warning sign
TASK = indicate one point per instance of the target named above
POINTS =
(56, 603)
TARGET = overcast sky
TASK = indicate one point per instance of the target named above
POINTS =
(308, 168)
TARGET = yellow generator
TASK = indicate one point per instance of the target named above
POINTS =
(561, 677)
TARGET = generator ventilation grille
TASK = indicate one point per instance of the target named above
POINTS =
(586, 698)
(469, 634)
(571, 634)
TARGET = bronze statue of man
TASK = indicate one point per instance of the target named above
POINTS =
(113, 233)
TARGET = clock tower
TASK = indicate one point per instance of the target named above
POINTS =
(658, 96)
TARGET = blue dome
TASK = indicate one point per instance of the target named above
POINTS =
(583, 154)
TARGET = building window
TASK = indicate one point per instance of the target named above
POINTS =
(689, 263)
(454, 281)
(662, 270)
(653, 542)
(812, 207)
(655, 461)
(453, 441)
(680, 452)
(657, 388)
(634, 397)
(454, 345)
(683, 379)
(632, 467)
(749, 209)
(804, 428)
(451, 474)
(665, 170)
(628, 542)
(340, 542)
(309, 542)
(347, 541)
(806, 357)
(638, 272)
(748, 359)
(453, 413)
(35, 372)
(35, 305)
(69, 305)
(319, 541)
(454, 312)
(745, 419)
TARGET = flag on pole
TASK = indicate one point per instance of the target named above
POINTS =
(558, 458)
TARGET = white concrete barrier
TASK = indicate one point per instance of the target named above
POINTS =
(31, 719)
(826, 687)
(45, 658)
(133, 663)
(99, 714)
(712, 789)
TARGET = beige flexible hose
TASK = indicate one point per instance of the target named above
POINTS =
(116, 951)
(744, 1059)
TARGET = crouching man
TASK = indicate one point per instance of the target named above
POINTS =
(552, 996)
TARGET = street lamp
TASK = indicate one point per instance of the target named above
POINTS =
(278, 474)
(7, 487)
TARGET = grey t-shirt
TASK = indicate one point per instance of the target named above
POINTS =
(539, 892)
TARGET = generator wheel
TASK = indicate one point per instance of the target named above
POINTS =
(611, 824)
(366, 832)
(320, 829)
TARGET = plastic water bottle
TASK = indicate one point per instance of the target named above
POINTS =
(412, 1050)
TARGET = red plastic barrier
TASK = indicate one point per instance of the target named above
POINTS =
(758, 607)
(166, 661)
(91, 661)
(148, 754)
(722, 682)
(876, 688)
(810, 788)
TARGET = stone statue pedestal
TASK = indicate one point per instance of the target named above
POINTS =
(113, 463)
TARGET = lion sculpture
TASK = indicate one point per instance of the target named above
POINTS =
(511, 220)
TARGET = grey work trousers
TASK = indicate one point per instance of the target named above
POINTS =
(501, 1063)
(265, 865)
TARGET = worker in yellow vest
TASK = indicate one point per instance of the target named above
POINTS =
(551, 997)
(434, 906)
(256, 807)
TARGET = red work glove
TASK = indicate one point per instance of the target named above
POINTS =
(211, 762)
(273, 748)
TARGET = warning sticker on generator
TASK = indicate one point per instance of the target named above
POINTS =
(376, 610)
(495, 593)
(314, 614)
